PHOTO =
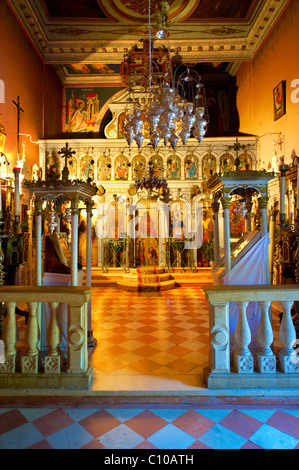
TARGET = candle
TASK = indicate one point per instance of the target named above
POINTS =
(16, 171)
(0, 194)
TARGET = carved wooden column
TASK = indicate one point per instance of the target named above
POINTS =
(243, 357)
(74, 239)
(266, 360)
(215, 207)
(227, 251)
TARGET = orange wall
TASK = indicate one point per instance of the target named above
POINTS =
(277, 60)
(40, 91)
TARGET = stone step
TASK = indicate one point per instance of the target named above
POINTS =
(146, 287)
(146, 278)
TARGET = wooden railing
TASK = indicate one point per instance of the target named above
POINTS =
(246, 369)
(25, 367)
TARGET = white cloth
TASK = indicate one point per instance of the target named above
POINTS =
(57, 279)
(252, 269)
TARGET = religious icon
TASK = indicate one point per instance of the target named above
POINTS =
(147, 241)
(121, 168)
(191, 168)
(237, 217)
(176, 221)
(87, 168)
(157, 163)
(174, 168)
(52, 170)
(226, 162)
(139, 167)
(245, 159)
(104, 168)
(72, 167)
(208, 166)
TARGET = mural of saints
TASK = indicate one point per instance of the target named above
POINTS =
(174, 168)
(87, 168)
(191, 168)
(208, 166)
(121, 168)
(139, 167)
(104, 168)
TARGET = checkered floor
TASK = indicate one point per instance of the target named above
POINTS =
(175, 427)
(140, 335)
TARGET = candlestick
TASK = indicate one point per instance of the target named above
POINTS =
(16, 171)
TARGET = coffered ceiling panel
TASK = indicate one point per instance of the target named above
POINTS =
(91, 37)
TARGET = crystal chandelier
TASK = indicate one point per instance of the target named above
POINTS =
(176, 105)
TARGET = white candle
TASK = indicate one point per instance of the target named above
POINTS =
(0, 193)
(17, 191)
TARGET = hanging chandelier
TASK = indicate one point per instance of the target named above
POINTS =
(151, 182)
(176, 106)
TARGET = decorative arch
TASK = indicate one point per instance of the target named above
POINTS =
(121, 168)
(208, 166)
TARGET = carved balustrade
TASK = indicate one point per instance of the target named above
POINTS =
(246, 367)
(24, 366)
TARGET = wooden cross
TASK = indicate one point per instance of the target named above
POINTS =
(66, 153)
(19, 109)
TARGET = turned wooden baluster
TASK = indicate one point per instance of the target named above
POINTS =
(10, 330)
(243, 357)
(266, 360)
(30, 358)
(10, 339)
(52, 361)
(53, 331)
(287, 336)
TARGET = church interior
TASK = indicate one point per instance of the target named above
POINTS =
(149, 224)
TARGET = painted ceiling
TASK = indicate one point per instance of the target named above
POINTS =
(88, 38)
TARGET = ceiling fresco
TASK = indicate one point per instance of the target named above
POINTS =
(88, 39)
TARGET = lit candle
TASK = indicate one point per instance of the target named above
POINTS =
(0, 194)
(16, 171)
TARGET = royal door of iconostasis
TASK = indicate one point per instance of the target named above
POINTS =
(147, 232)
